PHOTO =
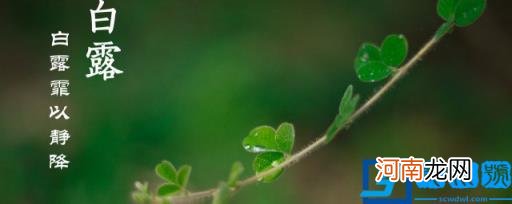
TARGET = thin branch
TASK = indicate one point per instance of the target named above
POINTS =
(321, 141)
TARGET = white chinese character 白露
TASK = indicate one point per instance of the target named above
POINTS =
(108, 15)
(60, 38)
(57, 113)
(59, 87)
(102, 59)
(59, 137)
(58, 62)
(58, 161)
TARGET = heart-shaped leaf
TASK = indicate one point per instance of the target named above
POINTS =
(166, 171)
(374, 64)
(260, 139)
(168, 189)
(266, 161)
(183, 176)
(285, 137)
(461, 12)
(266, 139)
(234, 174)
(394, 50)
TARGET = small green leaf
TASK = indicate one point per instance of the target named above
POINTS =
(261, 139)
(373, 71)
(166, 171)
(266, 161)
(468, 12)
(221, 196)
(285, 137)
(367, 53)
(266, 139)
(168, 189)
(347, 107)
(446, 9)
(394, 50)
(461, 12)
(183, 176)
(347, 96)
(234, 174)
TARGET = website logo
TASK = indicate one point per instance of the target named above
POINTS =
(391, 180)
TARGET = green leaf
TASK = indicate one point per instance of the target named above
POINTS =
(373, 71)
(347, 107)
(234, 174)
(461, 12)
(183, 176)
(394, 50)
(221, 196)
(468, 12)
(285, 137)
(347, 96)
(168, 189)
(266, 139)
(266, 161)
(261, 139)
(166, 171)
(367, 53)
(446, 9)
(374, 64)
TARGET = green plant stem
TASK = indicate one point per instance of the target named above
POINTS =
(321, 141)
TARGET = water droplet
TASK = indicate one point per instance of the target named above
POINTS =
(255, 149)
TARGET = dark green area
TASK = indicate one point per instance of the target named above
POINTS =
(200, 75)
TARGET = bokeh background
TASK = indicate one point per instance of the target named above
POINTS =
(199, 75)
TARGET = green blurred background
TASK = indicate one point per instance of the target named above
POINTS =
(199, 75)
